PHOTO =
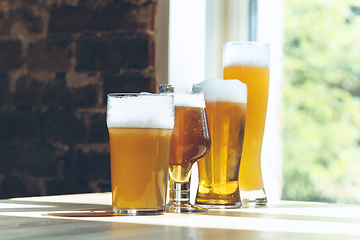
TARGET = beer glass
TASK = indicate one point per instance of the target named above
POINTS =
(219, 169)
(249, 62)
(140, 128)
(190, 141)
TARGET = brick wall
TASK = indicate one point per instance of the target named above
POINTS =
(58, 60)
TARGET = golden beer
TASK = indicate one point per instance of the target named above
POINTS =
(219, 169)
(139, 167)
(257, 80)
(252, 68)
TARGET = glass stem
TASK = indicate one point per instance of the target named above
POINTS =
(179, 192)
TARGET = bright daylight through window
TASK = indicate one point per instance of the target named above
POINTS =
(321, 117)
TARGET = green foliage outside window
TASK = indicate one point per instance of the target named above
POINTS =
(321, 102)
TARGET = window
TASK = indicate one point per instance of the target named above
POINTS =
(322, 101)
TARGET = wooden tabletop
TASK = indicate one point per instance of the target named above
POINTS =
(88, 216)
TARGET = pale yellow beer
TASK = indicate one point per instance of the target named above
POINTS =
(219, 169)
(140, 129)
(251, 67)
(138, 167)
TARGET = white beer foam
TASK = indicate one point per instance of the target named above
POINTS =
(218, 90)
(144, 111)
(189, 100)
(246, 54)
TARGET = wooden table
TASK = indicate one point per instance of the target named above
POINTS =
(87, 216)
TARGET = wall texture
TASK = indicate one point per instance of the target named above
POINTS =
(58, 60)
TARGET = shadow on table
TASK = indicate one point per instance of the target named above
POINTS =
(37, 206)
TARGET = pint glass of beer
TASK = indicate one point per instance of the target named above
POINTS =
(249, 62)
(140, 128)
(190, 141)
(219, 169)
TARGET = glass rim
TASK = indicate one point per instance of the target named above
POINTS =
(180, 85)
(195, 88)
(132, 94)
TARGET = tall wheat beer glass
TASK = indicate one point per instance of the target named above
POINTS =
(140, 128)
(249, 62)
(219, 169)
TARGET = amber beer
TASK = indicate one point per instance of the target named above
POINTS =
(219, 170)
(190, 141)
(249, 62)
(140, 138)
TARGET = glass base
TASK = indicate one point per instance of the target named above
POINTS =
(254, 198)
(216, 205)
(137, 212)
(184, 208)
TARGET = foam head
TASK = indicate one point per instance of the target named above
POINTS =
(140, 111)
(185, 96)
(246, 54)
(218, 90)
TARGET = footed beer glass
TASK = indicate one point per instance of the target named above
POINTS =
(249, 62)
(190, 141)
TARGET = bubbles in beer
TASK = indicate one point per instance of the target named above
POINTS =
(246, 54)
(218, 90)
(140, 111)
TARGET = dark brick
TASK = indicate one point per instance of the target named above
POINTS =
(63, 126)
(53, 93)
(32, 92)
(49, 55)
(5, 26)
(4, 88)
(82, 97)
(112, 53)
(129, 81)
(13, 187)
(26, 3)
(26, 16)
(91, 166)
(18, 124)
(10, 55)
(97, 129)
(57, 187)
(127, 16)
(30, 158)
(29, 92)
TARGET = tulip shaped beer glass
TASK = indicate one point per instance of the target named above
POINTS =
(219, 169)
(249, 62)
(190, 141)
(140, 128)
